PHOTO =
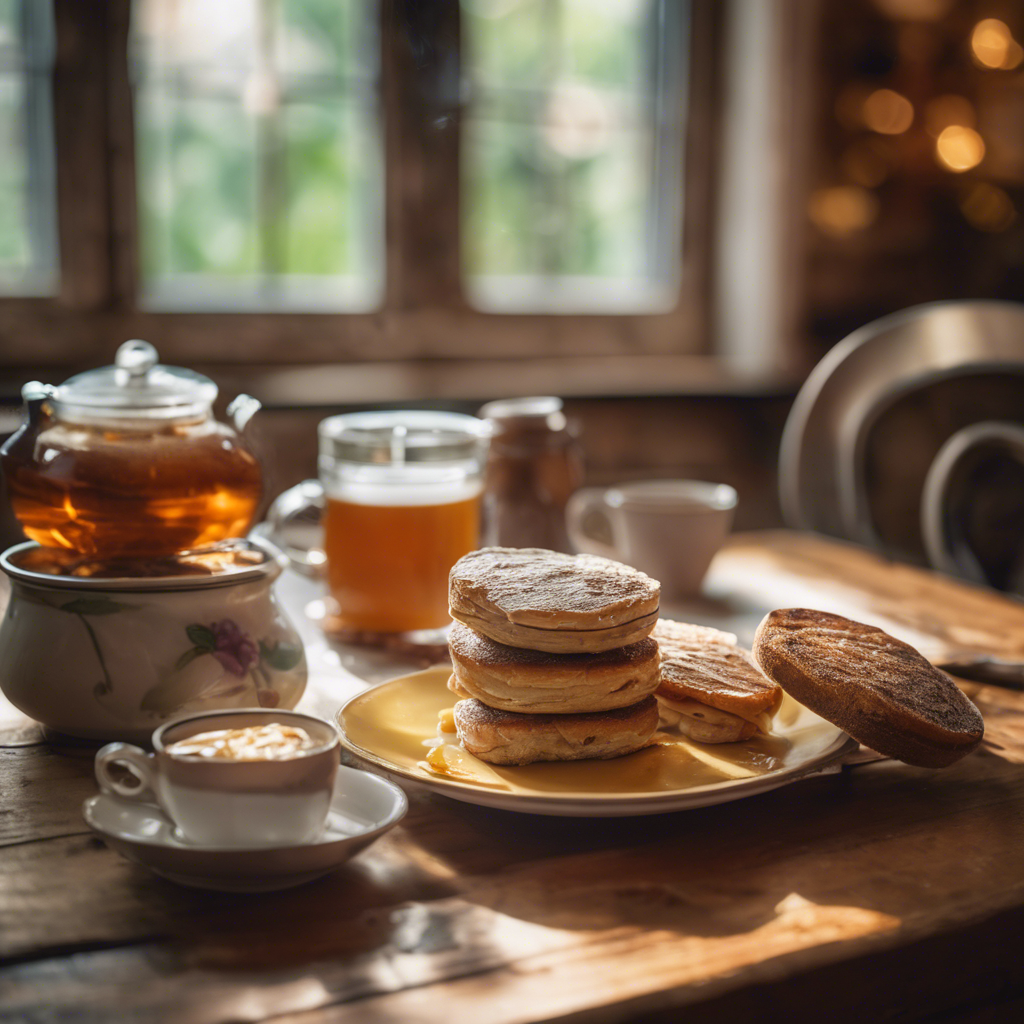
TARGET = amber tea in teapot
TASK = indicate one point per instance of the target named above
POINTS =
(129, 461)
(117, 493)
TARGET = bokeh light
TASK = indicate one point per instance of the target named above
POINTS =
(261, 94)
(987, 207)
(943, 111)
(841, 210)
(887, 112)
(993, 45)
(959, 148)
(578, 121)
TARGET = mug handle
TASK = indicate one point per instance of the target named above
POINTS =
(138, 763)
(586, 502)
(296, 511)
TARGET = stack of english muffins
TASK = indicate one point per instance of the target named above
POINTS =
(552, 656)
(562, 658)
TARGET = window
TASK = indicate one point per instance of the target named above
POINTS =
(572, 154)
(27, 233)
(334, 181)
(258, 154)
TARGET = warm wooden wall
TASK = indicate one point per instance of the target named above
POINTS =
(731, 440)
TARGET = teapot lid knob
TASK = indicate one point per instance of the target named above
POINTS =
(136, 387)
(137, 358)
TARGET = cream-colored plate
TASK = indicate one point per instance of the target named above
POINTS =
(390, 726)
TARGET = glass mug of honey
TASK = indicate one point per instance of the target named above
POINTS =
(398, 497)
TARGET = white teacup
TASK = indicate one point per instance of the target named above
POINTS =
(277, 801)
(669, 529)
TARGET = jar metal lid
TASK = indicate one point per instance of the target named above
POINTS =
(135, 387)
(403, 436)
(534, 413)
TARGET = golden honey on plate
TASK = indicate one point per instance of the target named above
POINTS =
(396, 725)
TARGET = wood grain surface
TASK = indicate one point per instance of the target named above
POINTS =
(944, 618)
(884, 891)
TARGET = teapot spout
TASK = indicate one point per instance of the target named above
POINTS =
(242, 409)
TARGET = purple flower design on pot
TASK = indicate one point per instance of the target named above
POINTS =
(248, 668)
(235, 650)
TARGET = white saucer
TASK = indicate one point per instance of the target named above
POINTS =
(364, 807)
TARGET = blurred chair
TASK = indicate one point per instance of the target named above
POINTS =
(873, 417)
(972, 507)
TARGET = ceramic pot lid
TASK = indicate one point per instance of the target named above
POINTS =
(227, 563)
(135, 387)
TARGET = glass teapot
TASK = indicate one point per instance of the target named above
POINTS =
(127, 460)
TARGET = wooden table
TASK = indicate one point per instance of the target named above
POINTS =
(881, 893)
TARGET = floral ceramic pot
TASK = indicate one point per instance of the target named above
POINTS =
(107, 657)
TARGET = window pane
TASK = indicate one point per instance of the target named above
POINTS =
(200, 212)
(28, 246)
(258, 154)
(321, 226)
(572, 170)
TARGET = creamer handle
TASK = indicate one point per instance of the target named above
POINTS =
(586, 502)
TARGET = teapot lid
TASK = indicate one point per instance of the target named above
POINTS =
(135, 387)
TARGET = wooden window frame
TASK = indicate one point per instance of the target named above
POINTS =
(425, 319)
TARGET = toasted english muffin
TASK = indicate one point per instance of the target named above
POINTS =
(669, 631)
(880, 690)
(710, 689)
(536, 682)
(504, 737)
(547, 601)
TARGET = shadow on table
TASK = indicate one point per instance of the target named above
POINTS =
(882, 837)
(859, 853)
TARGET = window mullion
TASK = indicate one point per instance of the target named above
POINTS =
(270, 162)
(422, 118)
(80, 133)
(120, 152)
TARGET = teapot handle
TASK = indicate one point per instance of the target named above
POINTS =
(35, 396)
(242, 409)
(34, 393)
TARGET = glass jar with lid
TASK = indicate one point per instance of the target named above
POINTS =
(128, 460)
(535, 465)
